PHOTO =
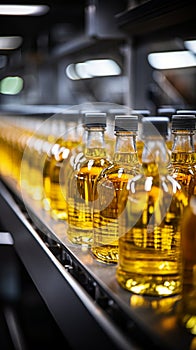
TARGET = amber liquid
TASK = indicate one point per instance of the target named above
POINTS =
(150, 259)
(54, 199)
(6, 150)
(80, 197)
(184, 171)
(35, 165)
(50, 159)
(111, 194)
(24, 166)
(58, 203)
(140, 147)
(187, 306)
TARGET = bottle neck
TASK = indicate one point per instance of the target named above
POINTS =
(95, 141)
(183, 141)
(155, 156)
(125, 146)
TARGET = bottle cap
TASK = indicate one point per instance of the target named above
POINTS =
(71, 115)
(155, 125)
(166, 111)
(126, 123)
(118, 111)
(95, 119)
(183, 122)
(141, 113)
(84, 112)
(186, 111)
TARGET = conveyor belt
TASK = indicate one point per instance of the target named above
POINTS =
(89, 306)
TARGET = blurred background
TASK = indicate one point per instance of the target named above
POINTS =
(130, 52)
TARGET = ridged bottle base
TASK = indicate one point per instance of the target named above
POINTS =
(106, 254)
(152, 285)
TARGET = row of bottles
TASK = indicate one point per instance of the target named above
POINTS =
(123, 195)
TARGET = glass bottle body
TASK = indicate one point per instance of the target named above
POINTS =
(80, 188)
(187, 305)
(109, 193)
(150, 259)
(36, 164)
(57, 155)
(58, 204)
(50, 158)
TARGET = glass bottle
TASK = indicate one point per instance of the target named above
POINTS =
(51, 148)
(108, 189)
(77, 153)
(183, 160)
(74, 157)
(62, 139)
(81, 180)
(69, 140)
(187, 305)
(150, 257)
(34, 154)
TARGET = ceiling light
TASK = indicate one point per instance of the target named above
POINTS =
(11, 85)
(10, 42)
(70, 72)
(23, 10)
(82, 70)
(172, 60)
(103, 67)
(92, 69)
